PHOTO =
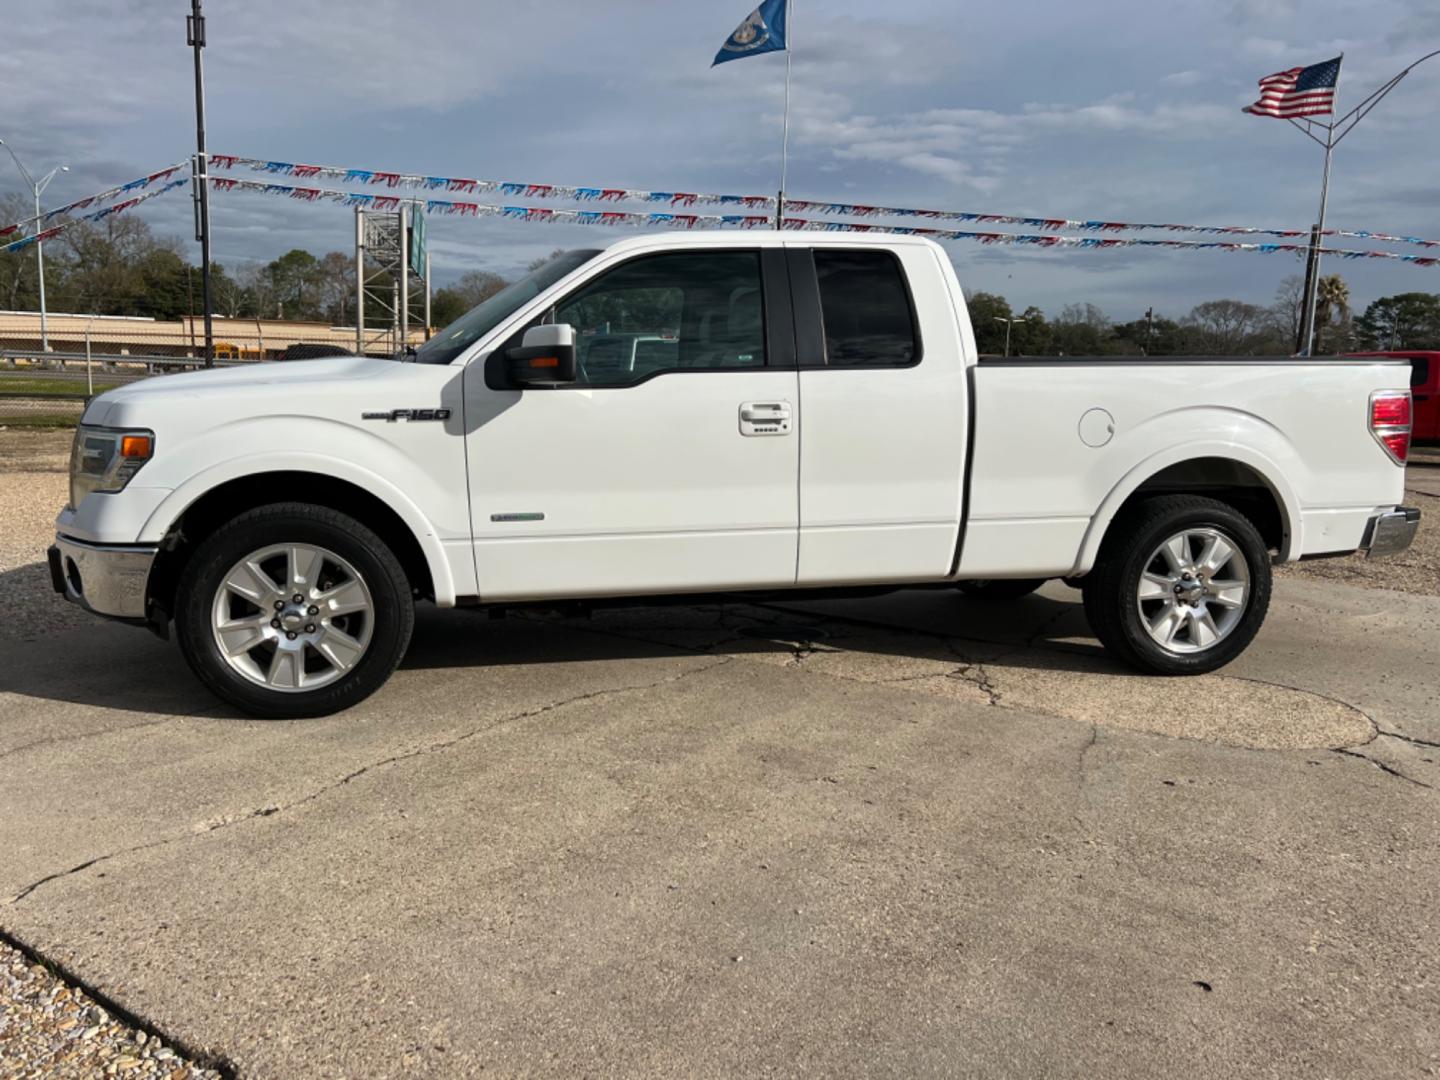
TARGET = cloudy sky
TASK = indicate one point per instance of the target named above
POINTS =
(1116, 109)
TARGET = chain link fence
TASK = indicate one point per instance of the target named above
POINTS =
(48, 372)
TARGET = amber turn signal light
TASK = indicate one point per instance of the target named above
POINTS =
(136, 446)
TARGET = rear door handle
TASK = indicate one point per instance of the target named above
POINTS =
(765, 418)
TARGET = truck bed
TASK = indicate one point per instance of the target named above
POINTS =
(1060, 442)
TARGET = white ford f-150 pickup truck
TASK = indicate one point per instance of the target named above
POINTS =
(793, 414)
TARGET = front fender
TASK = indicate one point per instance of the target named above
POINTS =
(430, 540)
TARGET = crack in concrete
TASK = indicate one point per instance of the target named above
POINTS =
(1080, 762)
(1374, 726)
(55, 739)
(1406, 738)
(1391, 770)
(394, 759)
(975, 674)
(800, 652)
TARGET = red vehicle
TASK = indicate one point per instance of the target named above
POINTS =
(1424, 389)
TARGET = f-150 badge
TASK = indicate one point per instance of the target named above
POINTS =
(409, 415)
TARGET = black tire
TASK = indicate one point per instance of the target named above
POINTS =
(998, 590)
(391, 613)
(1111, 590)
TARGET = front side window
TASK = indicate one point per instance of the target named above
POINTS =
(480, 320)
(869, 320)
(693, 310)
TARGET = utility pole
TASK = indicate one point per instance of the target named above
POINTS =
(1149, 327)
(1395, 332)
(37, 187)
(195, 38)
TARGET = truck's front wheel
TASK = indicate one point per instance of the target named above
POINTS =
(293, 610)
(1181, 587)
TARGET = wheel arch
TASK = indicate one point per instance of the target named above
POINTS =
(1239, 476)
(196, 510)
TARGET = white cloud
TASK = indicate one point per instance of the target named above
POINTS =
(1261, 10)
(1184, 78)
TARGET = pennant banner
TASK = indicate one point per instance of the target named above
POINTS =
(762, 221)
(92, 200)
(758, 202)
(118, 208)
(468, 185)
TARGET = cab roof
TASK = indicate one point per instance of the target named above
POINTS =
(686, 238)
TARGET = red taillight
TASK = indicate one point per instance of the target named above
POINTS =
(1397, 443)
(1390, 409)
(1390, 422)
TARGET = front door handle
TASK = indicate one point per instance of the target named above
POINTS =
(765, 418)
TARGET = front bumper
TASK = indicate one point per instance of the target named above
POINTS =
(1391, 533)
(108, 579)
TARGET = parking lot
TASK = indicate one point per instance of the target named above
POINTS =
(914, 835)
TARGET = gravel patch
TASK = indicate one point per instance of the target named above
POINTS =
(53, 1031)
(29, 607)
(24, 450)
(1415, 571)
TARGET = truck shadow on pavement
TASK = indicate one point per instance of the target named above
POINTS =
(70, 656)
(1033, 655)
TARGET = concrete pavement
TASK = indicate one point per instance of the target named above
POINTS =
(914, 835)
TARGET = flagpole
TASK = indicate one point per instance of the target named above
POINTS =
(785, 136)
(1319, 236)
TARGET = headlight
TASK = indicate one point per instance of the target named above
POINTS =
(104, 459)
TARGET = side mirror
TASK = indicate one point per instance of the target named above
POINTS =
(544, 357)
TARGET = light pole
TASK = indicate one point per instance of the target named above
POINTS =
(195, 38)
(37, 188)
(1008, 324)
(1333, 134)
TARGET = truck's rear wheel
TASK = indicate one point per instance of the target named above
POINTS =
(1181, 587)
(999, 589)
(293, 610)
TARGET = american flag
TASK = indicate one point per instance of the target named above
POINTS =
(1301, 91)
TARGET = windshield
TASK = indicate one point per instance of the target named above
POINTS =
(484, 317)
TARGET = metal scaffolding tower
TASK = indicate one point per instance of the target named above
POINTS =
(387, 286)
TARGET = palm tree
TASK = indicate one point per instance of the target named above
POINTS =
(1332, 309)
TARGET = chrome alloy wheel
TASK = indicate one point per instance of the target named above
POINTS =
(292, 617)
(1193, 590)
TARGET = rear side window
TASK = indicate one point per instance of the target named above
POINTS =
(1419, 371)
(869, 319)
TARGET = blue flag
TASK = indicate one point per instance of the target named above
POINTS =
(762, 31)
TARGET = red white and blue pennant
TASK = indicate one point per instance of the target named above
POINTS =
(99, 197)
(98, 215)
(685, 199)
(668, 219)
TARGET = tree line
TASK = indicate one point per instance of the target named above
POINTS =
(1215, 327)
(120, 267)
